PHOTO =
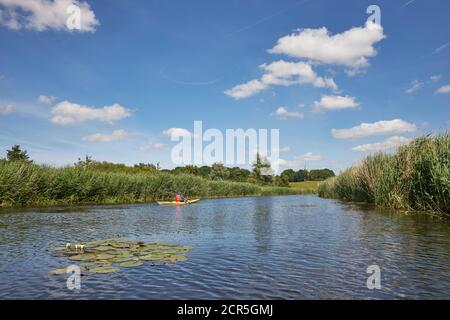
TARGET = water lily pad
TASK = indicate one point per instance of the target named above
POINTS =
(175, 258)
(171, 252)
(58, 271)
(104, 270)
(87, 265)
(120, 245)
(101, 248)
(128, 264)
(165, 244)
(83, 256)
(57, 249)
(152, 257)
(124, 259)
(103, 256)
(122, 254)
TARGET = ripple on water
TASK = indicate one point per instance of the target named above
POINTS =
(293, 247)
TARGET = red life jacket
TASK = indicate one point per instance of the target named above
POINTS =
(178, 197)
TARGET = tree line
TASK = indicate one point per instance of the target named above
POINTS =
(307, 175)
(260, 174)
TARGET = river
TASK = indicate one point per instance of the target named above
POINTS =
(289, 247)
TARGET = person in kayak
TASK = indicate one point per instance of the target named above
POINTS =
(180, 197)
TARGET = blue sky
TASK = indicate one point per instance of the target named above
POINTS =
(164, 64)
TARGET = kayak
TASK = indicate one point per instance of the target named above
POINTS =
(163, 203)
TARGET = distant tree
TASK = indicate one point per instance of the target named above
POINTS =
(87, 162)
(301, 175)
(320, 174)
(289, 174)
(16, 154)
(191, 169)
(238, 174)
(146, 167)
(262, 170)
(218, 172)
(204, 171)
(281, 181)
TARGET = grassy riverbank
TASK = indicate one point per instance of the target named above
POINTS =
(416, 177)
(305, 186)
(27, 184)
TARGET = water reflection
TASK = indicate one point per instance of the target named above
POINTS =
(262, 223)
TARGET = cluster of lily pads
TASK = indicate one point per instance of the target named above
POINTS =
(106, 256)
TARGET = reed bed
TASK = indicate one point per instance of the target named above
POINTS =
(27, 184)
(416, 177)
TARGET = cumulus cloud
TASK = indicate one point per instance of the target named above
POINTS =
(389, 143)
(100, 137)
(444, 89)
(48, 100)
(299, 160)
(66, 113)
(309, 156)
(41, 15)
(151, 146)
(351, 48)
(6, 109)
(435, 78)
(352, 72)
(335, 103)
(414, 86)
(284, 113)
(282, 73)
(282, 149)
(373, 129)
(177, 132)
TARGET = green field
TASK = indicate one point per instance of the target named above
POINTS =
(305, 186)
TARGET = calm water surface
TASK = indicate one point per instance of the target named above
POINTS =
(294, 247)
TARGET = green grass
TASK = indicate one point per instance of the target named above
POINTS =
(416, 177)
(26, 184)
(305, 186)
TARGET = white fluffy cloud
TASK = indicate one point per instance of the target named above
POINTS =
(351, 48)
(41, 15)
(373, 129)
(100, 137)
(444, 89)
(65, 113)
(282, 149)
(435, 78)
(282, 73)
(309, 156)
(151, 146)
(335, 103)
(414, 86)
(389, 143)
(177, 132)
(48, 100)
(6, 109)
(284, 113)
(299, 160)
